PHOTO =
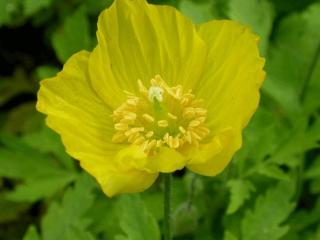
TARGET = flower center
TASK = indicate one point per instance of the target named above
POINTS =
(160, 116)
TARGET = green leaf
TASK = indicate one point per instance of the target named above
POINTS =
(23, 119)
(205, 10)
(46, 71)
(47, 141)
(20, 161)
(14, 85)
(304, 219)
(229, 236)
(11, 211)
(265, 220)
(41, 175)
(197, 11)
(291, 58)
(135, 221)
(272, 170)
(258, 14)
(261, 139)
(314, 170)
(7, 9)
(36, 189)
(240, 191)
(299, 139)
(185, 219)
(67, 220)
(32, 6)
(31, 234)
(100, 213)
(72, 36)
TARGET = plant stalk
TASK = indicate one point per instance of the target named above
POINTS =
(167, 206)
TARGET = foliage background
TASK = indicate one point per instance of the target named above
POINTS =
(270, 191)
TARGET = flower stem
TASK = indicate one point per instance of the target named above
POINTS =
(167, 206)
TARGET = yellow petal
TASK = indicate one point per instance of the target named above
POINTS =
(123, 176)
(205, 151)
(232, 76)
(137, 40)
(75, 111)
(166, 160)
(213, 162)
(84, 122)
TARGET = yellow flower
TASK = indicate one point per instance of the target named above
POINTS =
(156, 94)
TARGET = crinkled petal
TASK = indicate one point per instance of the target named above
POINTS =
(137, 40)
(211, 161)
(205, 152)
(230, 85)
(124, 176)
(85, 124)
(75, 111)
(232, 76)
(166, 160)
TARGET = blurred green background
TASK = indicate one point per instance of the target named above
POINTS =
(270, 191)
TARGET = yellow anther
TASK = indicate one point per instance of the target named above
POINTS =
(144, 145)
(150, 145)
(194, 123)
(188, 112)
(132, 137)
(178, 92)
(121, 126)
(118, 137)
(142, 88)
(149, 134)
(188, 137)
(134, 130)
(175, 142)
(127, 121)
(182, 130)
(200, 111)
(129, 115)
(173, 117)
(148, 118)
(132, 101)
(166, 137)
(201, 119)
(170, 141)
(159, 143)
(194, 135)
(129, 94)
(184, 101)
(139, 140)
(163, 123)
(203, 130)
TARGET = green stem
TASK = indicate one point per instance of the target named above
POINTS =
(167, 206)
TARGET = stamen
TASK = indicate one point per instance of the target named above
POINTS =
(163, 123)
(139, 140)
(194, 123)
(149, 134)
(148, 118)
(144, 118)
(182, 130)
(121, 126)
(173, 117)
(134, 130)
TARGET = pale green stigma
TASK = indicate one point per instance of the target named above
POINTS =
(155, 93)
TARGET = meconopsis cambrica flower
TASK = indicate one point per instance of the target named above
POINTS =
(157, 94)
